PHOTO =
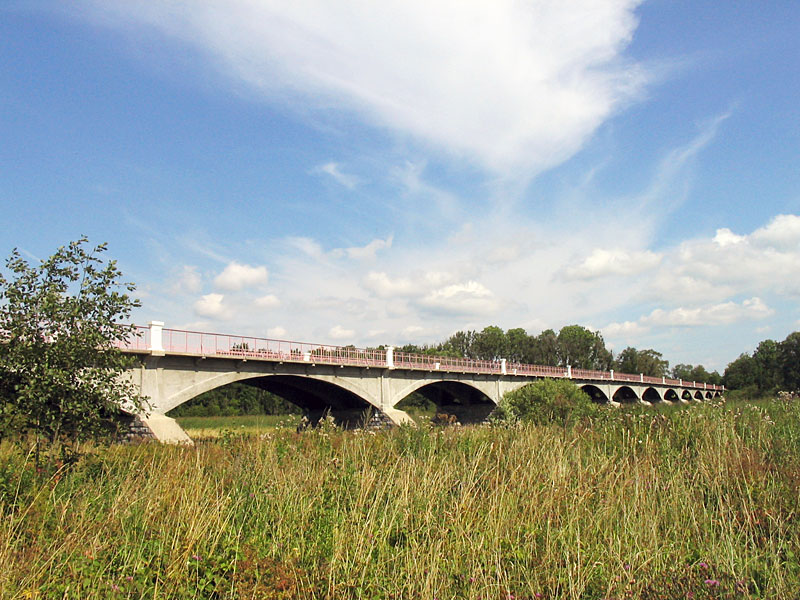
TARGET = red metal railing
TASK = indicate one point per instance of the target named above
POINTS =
(177, 341)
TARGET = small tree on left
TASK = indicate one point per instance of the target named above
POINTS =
(61, 372)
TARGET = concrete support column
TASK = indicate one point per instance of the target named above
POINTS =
(612, 374)
(156, 337)
(307, 356)
(503, 366)
(390, 357)
(641, 377)
(663, 380)
(569, 371)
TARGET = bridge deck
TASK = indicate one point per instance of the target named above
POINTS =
(194, 343)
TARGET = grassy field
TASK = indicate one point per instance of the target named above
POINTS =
(212, 427)
(686, 503)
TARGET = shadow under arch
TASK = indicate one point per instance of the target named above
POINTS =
(671, 396)
(651, 395)
(452, 401)
(316, 398)
(625, 395)
(595, 393)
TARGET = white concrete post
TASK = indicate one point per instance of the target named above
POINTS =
(156, 337)
(641, 377)
(503, 366)
(680, 382)
(663, 380)
(705, 386)
(307, 356)
(569, 371)
(612, 374)
(390, 357)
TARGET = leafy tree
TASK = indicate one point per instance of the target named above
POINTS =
(545, 401)
(463, 342)
(490, 344)
(647, 362)
(768, 367)
(582, 348)
(789, 361)
(519, 345)
(545, 349)
(742, 373)
(59, 367)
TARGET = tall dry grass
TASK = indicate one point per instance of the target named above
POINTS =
(698, 503)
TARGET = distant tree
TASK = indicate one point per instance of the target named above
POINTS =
(490, 344)
(582, 348)
(742, 373)
(768, 366)
(545, 349)
(789, 361)
(462, 342)
(519, 345)
(682, 371)
(59, 322)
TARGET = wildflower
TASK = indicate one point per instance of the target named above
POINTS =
(712, 582)
(195, 557)
(702, 565)
(128, 578)
(114, 587)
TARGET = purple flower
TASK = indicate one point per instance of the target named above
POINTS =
(712, 582)
(195, 557)
(702, 565)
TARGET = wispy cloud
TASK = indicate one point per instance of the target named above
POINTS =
(508, 85)
(334, 171)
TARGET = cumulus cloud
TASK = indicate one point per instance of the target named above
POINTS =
(716, 314)
(384, 286)
(334, 171)
(268, 301)
(188, 281)
(337, 332)
(212, 305)
(461, 298)
(237, 276)
(508, 84)
(276, 332)
(766, 259)
(370, 250)
(602, 263)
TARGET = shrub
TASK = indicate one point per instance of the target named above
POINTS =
(546, 401)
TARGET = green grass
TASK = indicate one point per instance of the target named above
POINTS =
(211, 427)
(698, 503)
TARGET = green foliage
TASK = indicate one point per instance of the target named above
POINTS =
(647, 362)
(235, 399)
(546, 401)
(773, 366)
(582, 348)
(59, 367)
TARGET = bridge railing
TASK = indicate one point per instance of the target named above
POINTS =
(407, 360)
(136, 339)
(249, 347)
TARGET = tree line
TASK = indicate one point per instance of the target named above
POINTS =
(573, 345)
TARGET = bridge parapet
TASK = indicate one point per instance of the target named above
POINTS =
(156, 339)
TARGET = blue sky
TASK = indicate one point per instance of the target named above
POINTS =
(392, 172)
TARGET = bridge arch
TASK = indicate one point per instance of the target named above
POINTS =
(651, 395)
(595, 393)
(345, 399)
(671, 395)
(464, 401)
(625, 394)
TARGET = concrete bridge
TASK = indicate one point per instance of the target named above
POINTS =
(356, 385)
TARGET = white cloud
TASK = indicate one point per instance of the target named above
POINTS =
(333, 170)
(237, 276)
(268, 301)
(461, 298)
(307, 245)
(725, 313)
(370, 250)
(337, 332)
(626, 329)
(384, 286)
(508, 84)
(782, 233)
(602, 263)
(188, 281)
(276, 332)
(211, 305)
